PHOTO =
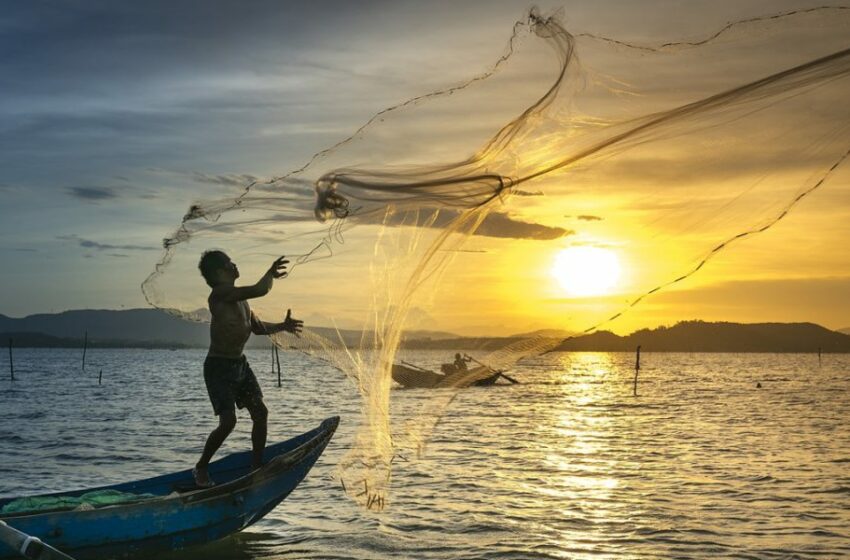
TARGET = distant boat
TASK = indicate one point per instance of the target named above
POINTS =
(414, 377)
(171, 512)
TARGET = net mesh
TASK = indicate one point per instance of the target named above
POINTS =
(666, 154)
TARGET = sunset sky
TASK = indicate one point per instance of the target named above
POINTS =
(115, 118)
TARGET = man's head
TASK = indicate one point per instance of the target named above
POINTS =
(217, 268)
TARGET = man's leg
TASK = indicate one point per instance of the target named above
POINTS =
(226, 423)
(259, 415)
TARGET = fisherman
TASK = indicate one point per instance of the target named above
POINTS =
(461, 361)
(228, 377)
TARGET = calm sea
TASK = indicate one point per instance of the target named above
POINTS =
(568, 464)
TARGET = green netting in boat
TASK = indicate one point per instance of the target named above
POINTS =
(89, 500)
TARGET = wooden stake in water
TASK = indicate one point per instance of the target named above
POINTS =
(11, 363)
(100, 377)
(277, 358)
(637, 369)
(85, 346)
(819, 362)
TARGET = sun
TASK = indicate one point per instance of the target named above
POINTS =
(586, 271)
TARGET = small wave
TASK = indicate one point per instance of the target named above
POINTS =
(32, 415)
(836, 490)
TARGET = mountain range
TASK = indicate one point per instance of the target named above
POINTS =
(701, 336)
(158, 329)
(145, 328)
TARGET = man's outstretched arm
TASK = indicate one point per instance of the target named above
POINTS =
(261, 288)
(289, 324)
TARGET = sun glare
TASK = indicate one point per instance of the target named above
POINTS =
(586, 271)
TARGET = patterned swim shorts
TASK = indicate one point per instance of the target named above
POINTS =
(231, 383)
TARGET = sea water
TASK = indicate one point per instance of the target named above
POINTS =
(702, 463)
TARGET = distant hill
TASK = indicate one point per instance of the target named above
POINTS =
(133, 326)
(41, 340)
(700, 336)
(154, 328)
(845, 331)
(147, 328)
(545, 333)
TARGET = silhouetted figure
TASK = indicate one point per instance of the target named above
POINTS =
(758, 385)
(228, 377)
(461, 361)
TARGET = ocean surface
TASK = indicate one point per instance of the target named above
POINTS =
(567, 464)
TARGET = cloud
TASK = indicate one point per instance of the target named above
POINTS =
(588, 218)
(496, 224)
(518, 192)
(89, 244)
(229, 180)
(92, 193)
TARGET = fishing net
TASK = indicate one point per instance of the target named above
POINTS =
(87, 501)
(454, 203)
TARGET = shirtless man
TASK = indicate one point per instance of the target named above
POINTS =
(228, 377)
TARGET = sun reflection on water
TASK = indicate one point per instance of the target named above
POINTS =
(581, 470)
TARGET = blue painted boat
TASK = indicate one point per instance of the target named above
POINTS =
(175, 513)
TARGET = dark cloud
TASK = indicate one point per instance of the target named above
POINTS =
(519, 192)
(230, 180)
(91, 193)
(496, 224)
(588, 218)
(89, 244)
(95, 194)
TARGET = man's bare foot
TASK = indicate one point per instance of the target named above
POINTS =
(202, 477)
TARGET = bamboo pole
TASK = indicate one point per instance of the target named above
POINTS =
(277, 358)
(11, 362)
(637, 369)
(819, 359)
(508, 377)
(100, 377)
(85, 346)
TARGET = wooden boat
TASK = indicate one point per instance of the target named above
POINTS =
(415, 377)
(179, 514)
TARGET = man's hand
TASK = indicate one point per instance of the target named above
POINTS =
(292, 325)
(278, 268)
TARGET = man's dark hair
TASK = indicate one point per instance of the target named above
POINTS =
(210, 262)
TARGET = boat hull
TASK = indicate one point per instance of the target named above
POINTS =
(412, 378)
(478, 376)
(176, 519)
